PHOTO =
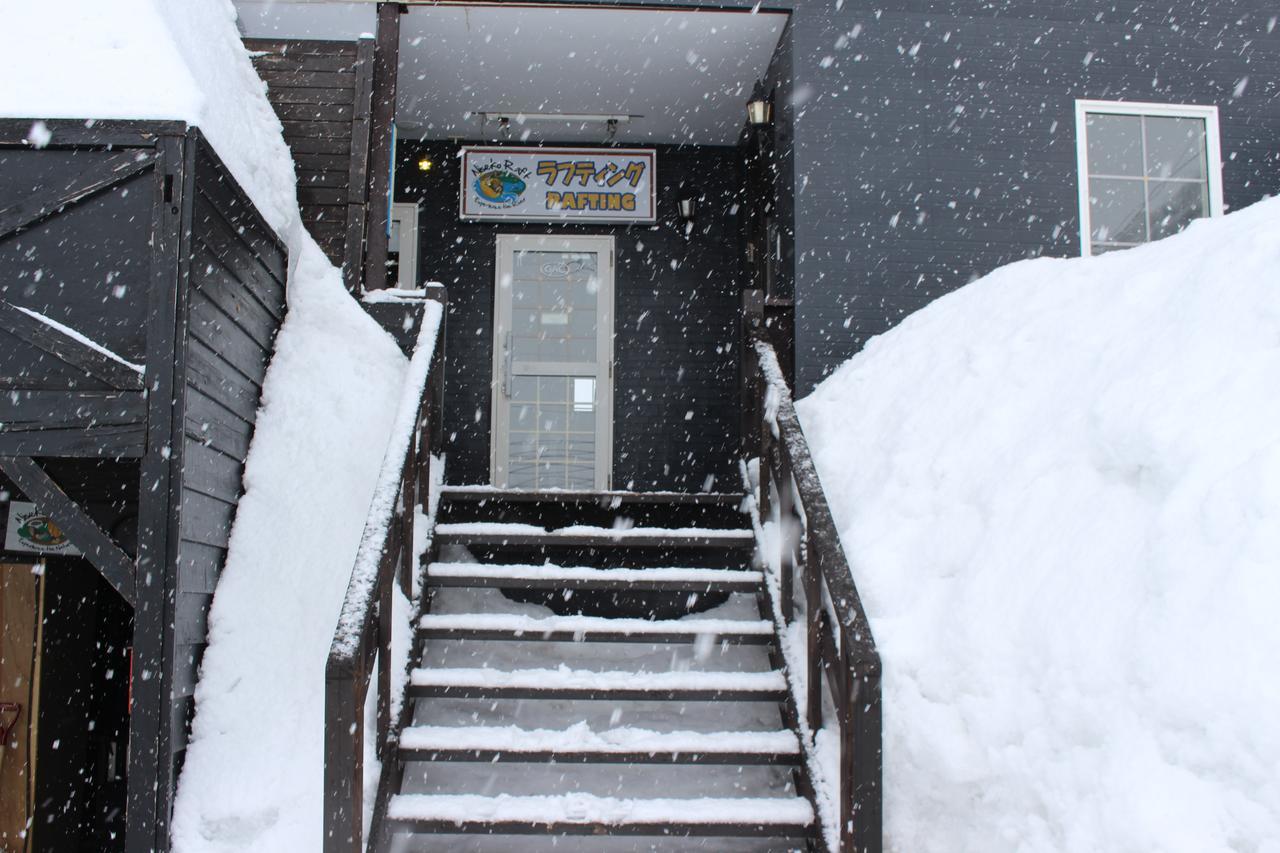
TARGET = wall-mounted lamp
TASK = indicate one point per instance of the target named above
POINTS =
(688, 209)
(425, 164)
(759, 108)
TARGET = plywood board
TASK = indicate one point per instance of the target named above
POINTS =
(20, 606)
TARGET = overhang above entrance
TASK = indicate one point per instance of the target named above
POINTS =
(681, 76)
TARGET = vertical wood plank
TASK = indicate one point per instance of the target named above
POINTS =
(358, 175)
(814, 631)
(20, 620)
(150, 757)
(790, 535)
(386, 59)
(867, 759)
(343, 770)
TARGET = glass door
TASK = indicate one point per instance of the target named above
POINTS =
(553, 362)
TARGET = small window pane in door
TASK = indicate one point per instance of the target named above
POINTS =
(552, 433)
(555, 299)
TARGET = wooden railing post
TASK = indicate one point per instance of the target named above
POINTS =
(386, 618)
(752, 390)
(789, 534)
(816, 615)
(865, 746)
(344, 765)
(409, 515)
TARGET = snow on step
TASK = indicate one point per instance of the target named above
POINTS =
(578, 625)
(574, 573)
(609, 811)
(580, 738)
(490, 530)
(564, 678)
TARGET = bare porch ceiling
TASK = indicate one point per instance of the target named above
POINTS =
(686, 74)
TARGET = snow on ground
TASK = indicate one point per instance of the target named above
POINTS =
(252, 778)
(1059, 489)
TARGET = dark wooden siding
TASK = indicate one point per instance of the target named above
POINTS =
(675, 319)
(939, 142)
(235, 304)
(94, 253)
(320, 91)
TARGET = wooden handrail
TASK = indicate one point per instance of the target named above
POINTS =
(385, 561)
(839, 650)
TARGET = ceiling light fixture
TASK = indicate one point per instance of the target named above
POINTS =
(563, 118)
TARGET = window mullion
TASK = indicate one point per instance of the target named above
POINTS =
(1146, 180)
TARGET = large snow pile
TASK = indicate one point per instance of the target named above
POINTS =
(1059, 489)
(255, 768)
(252, 778)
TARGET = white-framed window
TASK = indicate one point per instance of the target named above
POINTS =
(1145, 171)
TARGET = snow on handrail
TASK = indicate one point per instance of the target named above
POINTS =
(780, 412)
(358, 602)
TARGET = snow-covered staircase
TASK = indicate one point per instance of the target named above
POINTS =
(587, 705)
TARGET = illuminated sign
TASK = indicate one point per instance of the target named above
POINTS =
(558, 184)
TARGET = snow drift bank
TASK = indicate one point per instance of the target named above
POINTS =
(252, 779)
(1059, 489)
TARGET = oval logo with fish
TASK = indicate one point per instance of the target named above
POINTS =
(41, 530)
(499, 188)
(35, 532)
(498, 183)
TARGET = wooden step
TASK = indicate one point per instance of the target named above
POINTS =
(495, 533)
(565, 683)
(580, 745)
(586, 814)
(583, 578)
(483, 494)
(514, 627)
(559, 509)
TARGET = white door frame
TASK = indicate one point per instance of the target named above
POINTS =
(504, 368)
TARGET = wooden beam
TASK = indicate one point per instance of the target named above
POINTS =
(386, 58)
(104, 442)
(151, 764)
(99, 548)
(86, 409)
(104, 173)
(68, 349)
(79, 424)
(358, 174)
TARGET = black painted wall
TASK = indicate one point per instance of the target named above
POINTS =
(934, 140)
(675, 397)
